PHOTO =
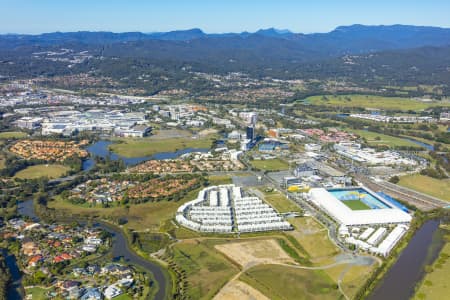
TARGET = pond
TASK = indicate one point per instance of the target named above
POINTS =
(399, 282)
(101, 149)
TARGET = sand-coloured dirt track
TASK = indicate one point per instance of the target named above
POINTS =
(251, 253)
(239, 290)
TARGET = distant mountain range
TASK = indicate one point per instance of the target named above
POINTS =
(344, 39)
(266, 52)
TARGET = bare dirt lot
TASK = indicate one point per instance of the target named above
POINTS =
(251, 253)
(239, 290)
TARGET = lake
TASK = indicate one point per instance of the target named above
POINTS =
(100, 148)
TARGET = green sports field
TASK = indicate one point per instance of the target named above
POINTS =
(356, 205)
(38, 171)
(270, 164)
(12, 135)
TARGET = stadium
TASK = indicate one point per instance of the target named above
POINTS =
(358, 206)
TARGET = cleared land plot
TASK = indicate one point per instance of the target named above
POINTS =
(207, 271)
(279, 201)
(313, 237)
(255, 252)
(129, 147)
(435, 285)
(236, 289)
(369, 101)
(356, 205)
(38, 171)
(170, 133)
(220, 179)
(439, 188)
(12, 135)
(270, 164)
(282, 282)
(378, 139)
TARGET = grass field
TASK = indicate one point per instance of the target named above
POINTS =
(12, 135)
(435, 285)
(280, 202)
(150, 215)
(270, 164)
(37, 293)
(427, 185)
(355, 277)
(369, 101)
(148, 146)
(38, 171)
(220, 179)
(378, 139)
(356, 205)
(281, 282)
(207, 271)
(313, 237)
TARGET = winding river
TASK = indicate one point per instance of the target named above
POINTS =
(15, 290)
(120, 248)
(399, 282)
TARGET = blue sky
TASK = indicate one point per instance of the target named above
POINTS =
(36, 16)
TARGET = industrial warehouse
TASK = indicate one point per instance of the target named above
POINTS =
(224, 209)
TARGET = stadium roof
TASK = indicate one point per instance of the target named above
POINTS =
(345, 215)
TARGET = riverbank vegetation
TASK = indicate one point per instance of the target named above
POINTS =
(378, 274)
(434, 286)
(205, 270)
(5, 277)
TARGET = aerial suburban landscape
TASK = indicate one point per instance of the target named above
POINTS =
(236, 164)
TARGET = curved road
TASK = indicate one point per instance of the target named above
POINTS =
(120, 248)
